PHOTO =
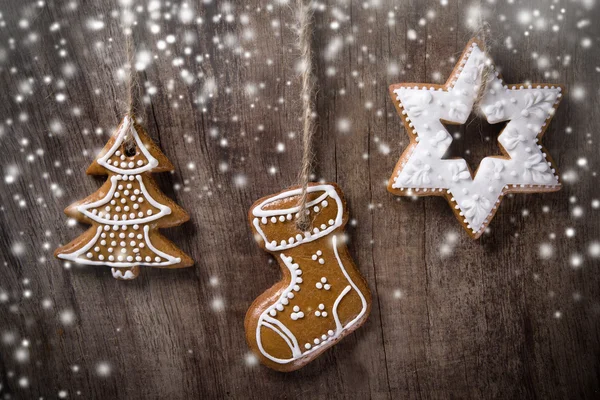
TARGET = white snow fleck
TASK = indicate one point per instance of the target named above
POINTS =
(94, 24)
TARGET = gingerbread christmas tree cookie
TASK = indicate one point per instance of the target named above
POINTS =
(127, 210)
(525, 165)
(322, 296)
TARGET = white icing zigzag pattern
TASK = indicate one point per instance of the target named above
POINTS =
(527, 110)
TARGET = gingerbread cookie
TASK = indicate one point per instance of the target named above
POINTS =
(322, 297)
(127, 210)
(525, 165)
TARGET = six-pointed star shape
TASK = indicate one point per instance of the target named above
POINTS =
(525, 165)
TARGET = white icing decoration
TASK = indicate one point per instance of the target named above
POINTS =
(84, 209)
(259, 213)
(126, 127)
(117, 273)
(527, 111)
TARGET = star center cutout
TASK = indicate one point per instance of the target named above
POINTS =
(474, 141)
(523, 166)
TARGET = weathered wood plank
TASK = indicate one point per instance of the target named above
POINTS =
(508, 316)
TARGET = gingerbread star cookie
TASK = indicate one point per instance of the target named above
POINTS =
(525, 165)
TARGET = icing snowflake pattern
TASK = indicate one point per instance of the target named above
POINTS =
(439, 138)
(417, 104)
(537, 103)
(417, 173)
(527, 110)
(537, 169)
(476, 207)
(512, 138)
(459, 111)
(459, 172)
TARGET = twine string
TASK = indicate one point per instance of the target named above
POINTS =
(487, 69)
(129, 144)
(304, 17)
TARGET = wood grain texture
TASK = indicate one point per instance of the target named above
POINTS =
(451, 318)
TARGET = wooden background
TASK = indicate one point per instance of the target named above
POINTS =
(512, 315)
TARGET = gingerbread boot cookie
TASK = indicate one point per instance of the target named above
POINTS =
(322, 296)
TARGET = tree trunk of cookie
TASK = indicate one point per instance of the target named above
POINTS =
(125, 274)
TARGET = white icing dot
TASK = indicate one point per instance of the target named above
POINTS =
(273, 219)
(321, 261)
(307, 346)
(89, 255)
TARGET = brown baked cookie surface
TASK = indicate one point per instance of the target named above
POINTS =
(322, 296)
